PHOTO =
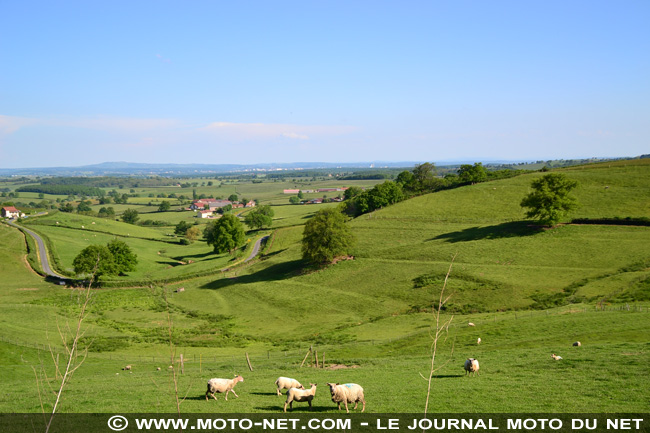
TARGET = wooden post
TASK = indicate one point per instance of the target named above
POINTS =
(316, 358)
(305, 358)
(182, 365)
(323, 363)
(201, 363)
(248, 360)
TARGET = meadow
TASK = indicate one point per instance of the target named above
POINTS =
(530, 291)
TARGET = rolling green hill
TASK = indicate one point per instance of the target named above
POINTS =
(530, 291)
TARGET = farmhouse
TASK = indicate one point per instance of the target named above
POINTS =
(209, 203)
(205, 214)
(11, 212)
(291, 191)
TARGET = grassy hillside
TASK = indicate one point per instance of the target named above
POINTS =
(531, 292)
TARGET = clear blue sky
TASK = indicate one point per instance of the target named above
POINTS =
(84, 82)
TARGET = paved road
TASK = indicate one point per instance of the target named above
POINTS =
(256, 248)
(42, 252)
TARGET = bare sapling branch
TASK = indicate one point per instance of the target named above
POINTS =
(71, 360)
(441, 329)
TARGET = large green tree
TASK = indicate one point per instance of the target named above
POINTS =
(550, 199)
(95, 259)
(181, 227)
(225, 234)
(326, 236)
(130, 216)
(164, 206)
(125, 259)
(261, 216)
(472, 173)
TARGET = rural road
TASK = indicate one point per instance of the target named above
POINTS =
(256, 248)
(42, 252)
(45, 263)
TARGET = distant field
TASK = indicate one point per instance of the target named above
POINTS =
(158, 251)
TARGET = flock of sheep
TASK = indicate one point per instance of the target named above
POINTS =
(347, 393)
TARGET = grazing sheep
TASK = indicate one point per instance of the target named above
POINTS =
(287, 383)
(295, 394)
(556, 357)
(128, 367)
(478, 341)
(471, 366)
(222, 385)
(347, 393)
(577, 344)
(471, 324)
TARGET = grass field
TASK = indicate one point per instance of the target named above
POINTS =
(531, 292)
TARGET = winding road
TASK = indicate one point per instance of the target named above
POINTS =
(42, 252)
(45, 262)
(256, 248)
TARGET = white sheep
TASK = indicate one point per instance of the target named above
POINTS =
(478, 341)
(556, 357)
(128, 367)
(471, 324)
(347, 393)
(296, 394)
(222, 385)
(577, 344)
(287, 383)
(471, 366)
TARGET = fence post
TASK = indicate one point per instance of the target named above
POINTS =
(306, 355)
(250, 367)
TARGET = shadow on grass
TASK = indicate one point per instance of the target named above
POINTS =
(274, 253)
(201, 397)
(446, 376)
(197, 256)
(280, 271)
(169, 263)
(280, 407)
(499, 231)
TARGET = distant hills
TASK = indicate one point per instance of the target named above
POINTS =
(136, 168)
(147, 169)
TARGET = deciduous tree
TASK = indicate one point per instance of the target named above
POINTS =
(130, 216)
(550, 199)
(326, 236)
(259, 217)
(95, 256)
(225, 234)
(125, 259)
(472, 173)
(164, 206)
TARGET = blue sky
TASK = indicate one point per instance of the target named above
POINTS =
(84, 82)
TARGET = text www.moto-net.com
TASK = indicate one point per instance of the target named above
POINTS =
(235, 424)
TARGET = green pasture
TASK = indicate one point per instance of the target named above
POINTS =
(296, 214)
(606, 374)
(530, 291)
